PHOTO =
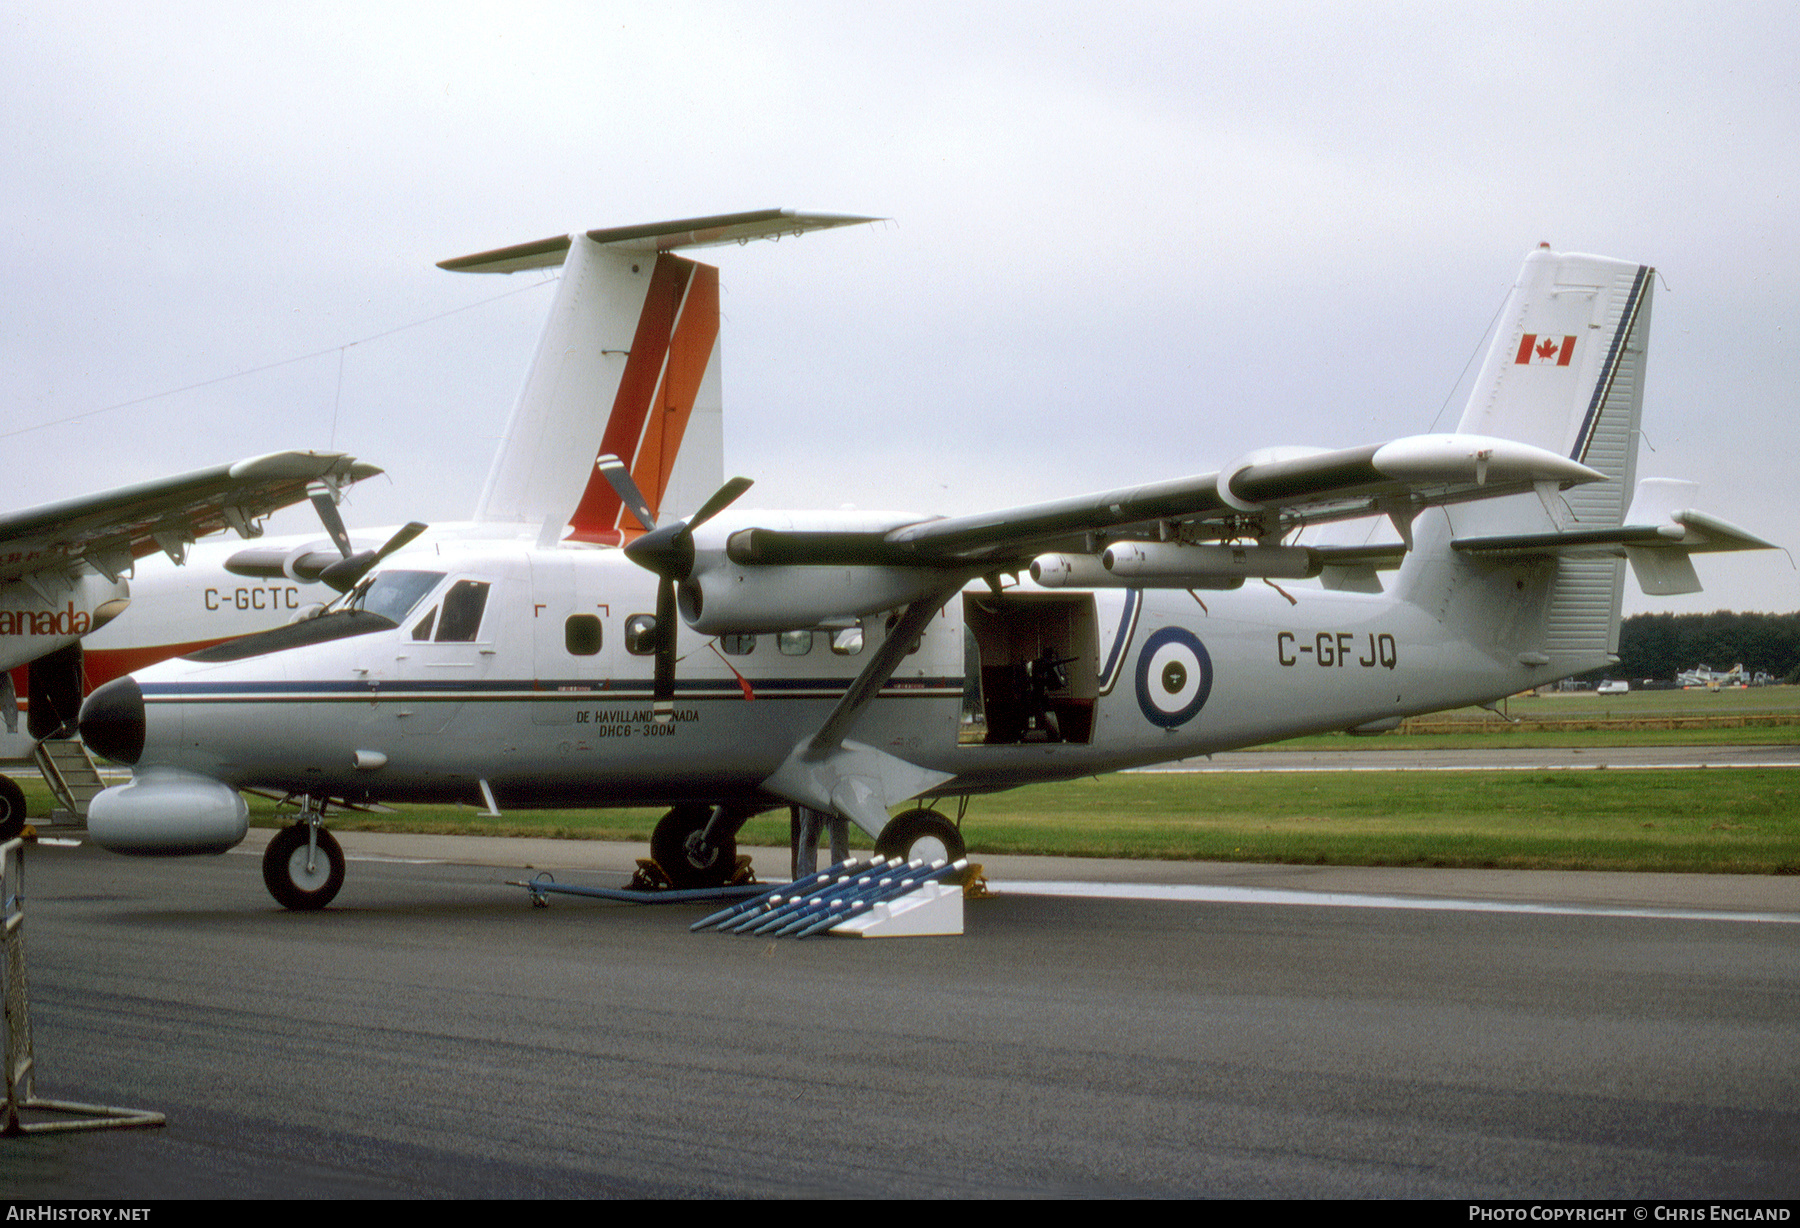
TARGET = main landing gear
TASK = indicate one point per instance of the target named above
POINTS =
(696, 846)
(303, 867)
(920, 834)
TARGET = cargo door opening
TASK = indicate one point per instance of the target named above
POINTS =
(1038, 659)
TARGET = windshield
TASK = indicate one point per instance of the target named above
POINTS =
(392, 594)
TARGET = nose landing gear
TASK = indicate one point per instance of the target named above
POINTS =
(303, 867)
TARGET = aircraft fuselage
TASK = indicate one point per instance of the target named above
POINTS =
(540, 693)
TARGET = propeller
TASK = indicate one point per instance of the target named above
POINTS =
(667, 550)
(343, 574)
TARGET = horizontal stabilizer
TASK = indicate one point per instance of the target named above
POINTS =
(654, 237)
(1657, 537)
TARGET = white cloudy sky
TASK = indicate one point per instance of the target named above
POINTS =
(1129, 241)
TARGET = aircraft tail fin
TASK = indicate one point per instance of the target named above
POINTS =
(628, 364)
(1565, 373)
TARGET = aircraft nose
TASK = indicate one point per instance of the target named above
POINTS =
(112, 720)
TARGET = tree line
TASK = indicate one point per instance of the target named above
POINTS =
(1662, 645)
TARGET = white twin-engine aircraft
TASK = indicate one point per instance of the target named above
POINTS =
(737, 661)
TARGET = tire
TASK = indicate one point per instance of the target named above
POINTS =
(675, 846)
(284, 869)
(12, 808)
(920, 834)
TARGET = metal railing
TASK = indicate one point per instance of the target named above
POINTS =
(23, 1108)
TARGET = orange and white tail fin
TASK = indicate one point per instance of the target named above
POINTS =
(628, 364)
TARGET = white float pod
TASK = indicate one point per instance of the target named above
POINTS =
(931, 909)
(166, 812)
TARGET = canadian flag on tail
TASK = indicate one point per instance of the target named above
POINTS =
(1535, 350)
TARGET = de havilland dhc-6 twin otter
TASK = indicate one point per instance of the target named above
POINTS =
(733, 661)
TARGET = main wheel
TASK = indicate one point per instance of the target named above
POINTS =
(920, 835)
(287, 878)
(12, 808)
(676, 846)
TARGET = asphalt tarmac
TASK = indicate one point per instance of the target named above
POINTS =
(1254, 1030)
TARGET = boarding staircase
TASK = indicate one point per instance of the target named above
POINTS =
(70, 772)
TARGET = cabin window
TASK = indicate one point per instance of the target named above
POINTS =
(581, 635)
(737, 645)
(423, 630)
(463, 606)
(795, 643)
(847, 642)
(640, 635)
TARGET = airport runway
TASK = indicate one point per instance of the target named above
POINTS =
(1503, 759)
(432, 1035)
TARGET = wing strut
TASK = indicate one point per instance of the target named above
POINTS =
(875, 674)
(828, 773)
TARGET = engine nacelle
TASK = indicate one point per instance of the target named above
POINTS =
(1154, 564)
(166, 812)
(727, 599)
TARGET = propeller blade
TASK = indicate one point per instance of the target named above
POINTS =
(663, 697)
(326, 506)
(343, 574)
(668, 551)
(407, 533)
(619, 478)
(722, 498)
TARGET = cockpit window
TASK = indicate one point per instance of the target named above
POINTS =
(392, 594)
(463, 605)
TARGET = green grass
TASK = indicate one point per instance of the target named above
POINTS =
(1706, 822)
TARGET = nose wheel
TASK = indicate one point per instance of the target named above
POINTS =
(303, 867)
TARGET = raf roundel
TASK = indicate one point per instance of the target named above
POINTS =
(1174, 677)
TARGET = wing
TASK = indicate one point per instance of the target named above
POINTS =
(1264, 497)
(111, 530)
